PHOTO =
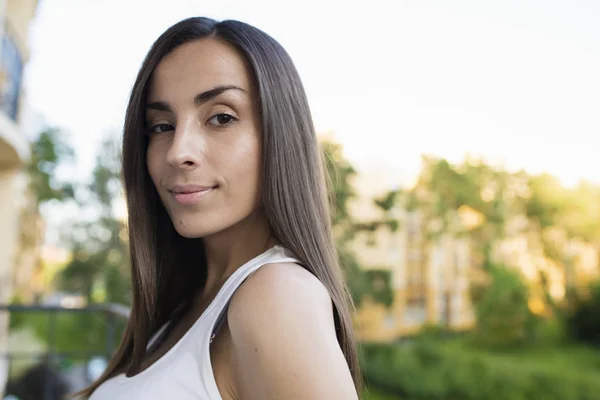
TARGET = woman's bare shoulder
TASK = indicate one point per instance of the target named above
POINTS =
(279, 285)
(284, 339)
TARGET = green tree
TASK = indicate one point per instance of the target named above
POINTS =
(340, 173)
(583, 322)
(574, 213)
(48, 153)
(503, 316)
(100, 265)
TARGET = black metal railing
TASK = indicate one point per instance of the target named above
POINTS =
(111, 313)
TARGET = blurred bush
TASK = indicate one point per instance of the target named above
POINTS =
(426, 370)
(501, 307)
(583, 323)
(75, 332)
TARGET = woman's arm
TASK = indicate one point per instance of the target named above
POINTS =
(284, 341)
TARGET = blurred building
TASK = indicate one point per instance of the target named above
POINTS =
(429, 276)
(15, 17)
(433, 265)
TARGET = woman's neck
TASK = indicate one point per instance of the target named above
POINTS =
(227, 250)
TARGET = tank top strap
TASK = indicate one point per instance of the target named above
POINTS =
(276, 254)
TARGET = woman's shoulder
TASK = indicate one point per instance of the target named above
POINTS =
(278, 290)
(284, 339)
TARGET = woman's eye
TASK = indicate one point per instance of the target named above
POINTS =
(161, 128)
(222, 119)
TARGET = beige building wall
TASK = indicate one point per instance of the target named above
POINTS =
(9, 234)
(8, 231)
(27, 271)
(14, 152)
(18, 14)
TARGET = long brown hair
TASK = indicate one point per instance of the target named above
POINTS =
(167, 268)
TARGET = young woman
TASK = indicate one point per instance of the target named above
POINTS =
(237, 292)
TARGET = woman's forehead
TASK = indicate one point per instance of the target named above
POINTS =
(201, 65)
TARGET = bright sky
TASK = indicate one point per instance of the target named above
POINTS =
(516, 81)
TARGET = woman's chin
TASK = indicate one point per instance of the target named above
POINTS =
(196, 232)
(191, 233)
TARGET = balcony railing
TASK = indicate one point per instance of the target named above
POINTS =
(112, 314)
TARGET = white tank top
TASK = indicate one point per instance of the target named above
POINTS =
(185, 371)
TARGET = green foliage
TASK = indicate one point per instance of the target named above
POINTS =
(431, 331)
(393, 225)
(48, 152)
(501, 308)
(576, 210)
(473, 184)
(388, 201)
(100, 254)
(356, 279)
(341, 192)
(426, 370)
(106, 176)
(340, 173)
(551, 332)
(81, 271)
(380, 286)
(374, 394)
(583, 323)
(69, 335)
(581, 217)
(547, 200)
(453, 189)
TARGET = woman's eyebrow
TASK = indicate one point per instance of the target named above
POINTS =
(199, 99)
(203, 97)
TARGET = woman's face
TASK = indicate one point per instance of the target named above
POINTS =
(204, 137)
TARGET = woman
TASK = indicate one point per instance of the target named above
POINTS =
(237, 293)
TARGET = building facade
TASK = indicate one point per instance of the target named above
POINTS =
(15, 17)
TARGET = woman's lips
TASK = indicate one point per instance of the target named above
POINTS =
(191, 197)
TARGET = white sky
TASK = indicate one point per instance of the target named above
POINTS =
(515, 81)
